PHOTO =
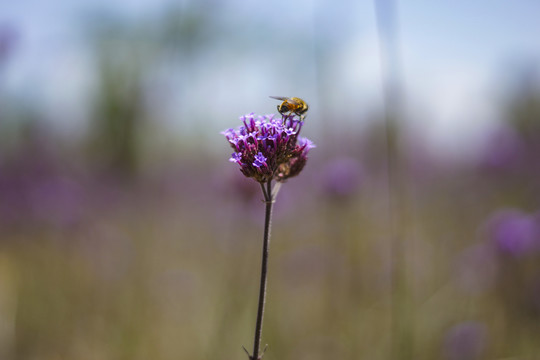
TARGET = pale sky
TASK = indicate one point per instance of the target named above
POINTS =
(454, 55)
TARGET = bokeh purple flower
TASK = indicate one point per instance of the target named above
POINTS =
(341, 177)
(268, 148)
(504, 150)
(465, 341)
(509, 256)
(514, 233)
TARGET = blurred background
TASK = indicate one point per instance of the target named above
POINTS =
(413, 232)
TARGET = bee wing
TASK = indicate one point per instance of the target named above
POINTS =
(282, 98)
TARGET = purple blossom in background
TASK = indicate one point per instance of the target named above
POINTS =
(341, 177)
(504, 150)
(514, 233)
(35, 187)
(465, 341)
(268, 148)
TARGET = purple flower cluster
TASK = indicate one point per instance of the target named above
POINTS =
(515, 233)
(507, 263)
(268, 148)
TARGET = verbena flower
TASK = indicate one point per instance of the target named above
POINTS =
(515, 233)
(268, 148)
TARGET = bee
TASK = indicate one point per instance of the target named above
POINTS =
(291, 105)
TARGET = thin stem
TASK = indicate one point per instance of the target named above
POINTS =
(265, 193)
(275, 190)
(269, 199)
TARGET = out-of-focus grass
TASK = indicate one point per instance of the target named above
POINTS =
(167, 268)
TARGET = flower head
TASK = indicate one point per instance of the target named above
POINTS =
(268, 148)
(515, 233)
